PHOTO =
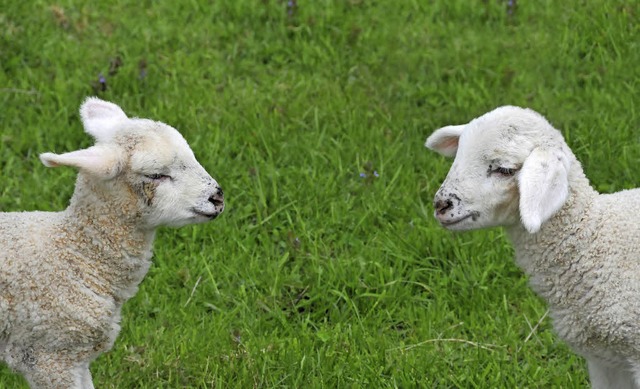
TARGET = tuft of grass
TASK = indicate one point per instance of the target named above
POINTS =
(326, 268)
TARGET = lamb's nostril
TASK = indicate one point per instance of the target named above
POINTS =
(443, 206)
(217, 199)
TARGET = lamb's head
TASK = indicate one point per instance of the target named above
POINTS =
(148, 163)
(511, 166)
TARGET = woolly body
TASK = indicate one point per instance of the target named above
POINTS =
(580, 249)
(65, 275)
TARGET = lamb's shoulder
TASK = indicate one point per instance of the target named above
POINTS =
(63, 310)
(48, 288)
(73, 321)
(601, 239)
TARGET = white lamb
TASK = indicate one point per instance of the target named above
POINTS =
(580, 249)
(65, 275)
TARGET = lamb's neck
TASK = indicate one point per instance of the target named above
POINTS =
(104, 232)
(547, 255)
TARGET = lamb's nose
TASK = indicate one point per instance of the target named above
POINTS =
(443, 206)
(217, 199)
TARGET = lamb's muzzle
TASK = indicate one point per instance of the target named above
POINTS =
(450, 210)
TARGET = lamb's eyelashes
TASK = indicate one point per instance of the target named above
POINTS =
(504, 171)
(158, 176)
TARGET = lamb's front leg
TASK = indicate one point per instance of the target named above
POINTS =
(55, 371)
(87, 381)
(606, 376)
(635, 367)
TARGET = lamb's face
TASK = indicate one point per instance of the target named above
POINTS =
(172, 187)
(146, 164)
(510, 166)
(481, 189)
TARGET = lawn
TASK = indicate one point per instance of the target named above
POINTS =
(327, 268)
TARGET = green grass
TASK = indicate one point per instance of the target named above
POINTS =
(314, 276)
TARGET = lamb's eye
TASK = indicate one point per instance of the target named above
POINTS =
(156, 176)
(504, 171)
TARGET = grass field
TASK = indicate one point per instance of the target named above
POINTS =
(327, 268)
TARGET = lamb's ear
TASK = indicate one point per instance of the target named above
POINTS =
(101, 118)
(544, 186)
(445, 140)
(101, 161)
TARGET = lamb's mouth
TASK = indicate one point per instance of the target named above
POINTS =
(208, 215)
(452, 222)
